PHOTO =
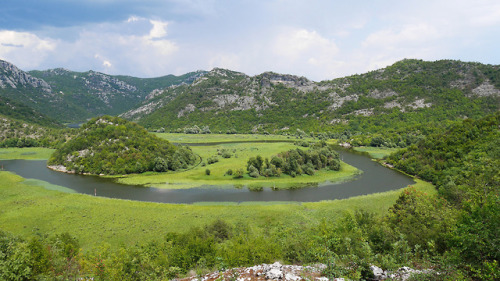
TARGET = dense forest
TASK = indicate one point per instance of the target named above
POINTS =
(111, 145)
(296, 162)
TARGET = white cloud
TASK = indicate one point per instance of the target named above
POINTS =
(305, 52)
(25, 48)
(414, 34)
(293, 44)
(159, 29)
(225, 60)
(133, 19)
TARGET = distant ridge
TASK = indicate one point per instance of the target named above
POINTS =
(270, 102)
(70, 96)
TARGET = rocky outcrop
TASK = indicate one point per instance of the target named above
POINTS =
(486, 89)
(13, 77)
(275, 271)
(279, 272)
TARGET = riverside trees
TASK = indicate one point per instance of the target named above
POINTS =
(111, 145)
(295, 162)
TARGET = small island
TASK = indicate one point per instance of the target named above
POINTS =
(113, 146)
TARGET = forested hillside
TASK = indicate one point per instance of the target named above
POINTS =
(69, 96)
(111, 145)
(19, 111)
(464, 164)
(96, 93)
(393, 100)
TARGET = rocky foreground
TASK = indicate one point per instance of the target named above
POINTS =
(277, 271)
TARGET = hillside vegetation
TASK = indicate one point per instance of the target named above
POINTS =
(70, 96)
(111, 145)
(397, 100)
(464, 164)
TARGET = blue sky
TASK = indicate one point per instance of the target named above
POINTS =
(318, 39)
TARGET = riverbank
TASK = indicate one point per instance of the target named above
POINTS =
(28, 209)
(239, 153)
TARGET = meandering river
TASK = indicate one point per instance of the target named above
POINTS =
(375, 178)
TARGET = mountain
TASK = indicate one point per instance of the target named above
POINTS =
(70, 96)
(19, 111)
(97, 93)
(410, 91)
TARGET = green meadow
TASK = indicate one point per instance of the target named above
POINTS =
(240, 148)
(28, 209)
(376, 152)
(27, 153)
(32, 207)
(208, 138)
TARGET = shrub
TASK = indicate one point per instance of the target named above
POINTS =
(212, 160)
(253, 172)
(238, 174)
(207, 172)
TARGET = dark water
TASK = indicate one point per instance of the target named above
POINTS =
(375, 178)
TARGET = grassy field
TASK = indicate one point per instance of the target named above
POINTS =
(27, 153)
(28, 209)
(376, 152)
(207, 138)
(240, 153)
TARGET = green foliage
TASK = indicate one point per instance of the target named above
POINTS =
(403, 103)
(238, 174)
(110, 145)
(463, 162)
(432, 216)
(212, 160)
(296, 162)
(19, 111)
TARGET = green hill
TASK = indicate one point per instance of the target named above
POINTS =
(111, 145)
(19, 111)
(407, 94)
(463, 161)
(70, 96)
(464, 164)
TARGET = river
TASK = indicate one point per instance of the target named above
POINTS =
(375, 178)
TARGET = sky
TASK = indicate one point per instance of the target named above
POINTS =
(317, 39)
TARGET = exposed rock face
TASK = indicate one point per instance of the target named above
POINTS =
(279, 272)
(486, 89)
(275, 271)
(11, 76)
(338, 101)
(381, 94)
(189, 108)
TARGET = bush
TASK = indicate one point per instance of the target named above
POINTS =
(238, 174)
(229, 172)
(253, 172)
(207, 172)
(212, 160)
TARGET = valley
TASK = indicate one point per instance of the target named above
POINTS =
(218, 169)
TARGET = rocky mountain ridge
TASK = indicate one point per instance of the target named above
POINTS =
(71, 96)
(11, 76)
(271, 100)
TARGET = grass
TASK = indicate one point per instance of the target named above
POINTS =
(376, 152)
(240, 153)
(27, 153)
(31, 207)
(27, 209)
(207, 138)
